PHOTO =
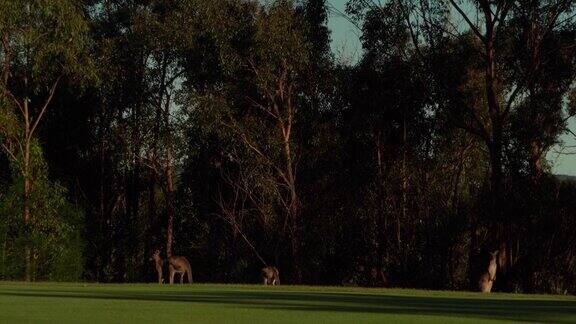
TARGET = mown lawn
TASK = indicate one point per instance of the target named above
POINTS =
(152, 303)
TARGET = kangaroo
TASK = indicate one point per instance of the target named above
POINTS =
(271, 276)
(487, 279)
(179, 264)
(158, 263)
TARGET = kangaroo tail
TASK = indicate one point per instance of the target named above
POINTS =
(189, 273)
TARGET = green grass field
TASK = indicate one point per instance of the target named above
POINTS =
(152, 303)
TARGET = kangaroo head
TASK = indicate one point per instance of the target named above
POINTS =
(156, 255)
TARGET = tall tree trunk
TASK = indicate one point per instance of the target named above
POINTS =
(102, 199)
(495, 152)
(169, 180)
(296, 238)
(535, 158)
(499, 224)
(536, 145)
(27, 217)
(381, 227)
(169, 205)
(27, 192)
(404, 183)
(294, 211)
(152, 201)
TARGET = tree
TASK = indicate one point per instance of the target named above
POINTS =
(263, 108)
(495, 87)
(42, 43)
(136, 125)
(542, 54)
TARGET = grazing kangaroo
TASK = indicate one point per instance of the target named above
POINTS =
(487, 279)
(179, 264)
(158, 262)
(271, 276)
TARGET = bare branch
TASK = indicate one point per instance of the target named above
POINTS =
(9, 152)
(512, 98)
(46, 103)
(473, 27)
(339, 13)
(18, 104)
(262, 107)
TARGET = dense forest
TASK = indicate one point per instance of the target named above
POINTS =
(228, 131)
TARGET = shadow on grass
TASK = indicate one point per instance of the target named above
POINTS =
(527, 310)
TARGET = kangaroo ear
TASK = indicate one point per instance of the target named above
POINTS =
(495, 253)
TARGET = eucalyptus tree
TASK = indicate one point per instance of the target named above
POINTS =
(43, 43)
(542, 54)
(509, 48)
(142, 50)
(264, 58)
(501, 87)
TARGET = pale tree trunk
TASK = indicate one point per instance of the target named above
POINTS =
(27, 192)
(536, 146)
(30, 126)
(496, 118)
(101, 223)
(499, 224)
(169, 204)
(294, 203)
(280, 108)
(296, 237)
(25, 142)
(404, 183)
(163, 117)
(27, 215)
(169, 180)
(381, 226)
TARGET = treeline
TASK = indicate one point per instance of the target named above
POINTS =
(227, 131)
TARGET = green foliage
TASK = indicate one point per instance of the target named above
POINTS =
(9, 123)
(54, 232)
(42, 42)
(46, 38)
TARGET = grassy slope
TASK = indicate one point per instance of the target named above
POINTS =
(73, 303)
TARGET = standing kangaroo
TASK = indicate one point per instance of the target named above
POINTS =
(487, 279)
(179, 264)
(158, 263)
